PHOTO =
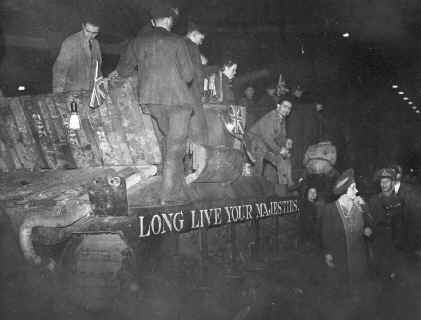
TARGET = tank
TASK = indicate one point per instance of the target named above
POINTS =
(95, 191)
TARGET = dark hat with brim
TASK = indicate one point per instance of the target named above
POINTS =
(163, 11)
(387, 173)
(343, 182)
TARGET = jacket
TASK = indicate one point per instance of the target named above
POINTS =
(165, 70)
(74, 68)
(198, 75)
(268, 133)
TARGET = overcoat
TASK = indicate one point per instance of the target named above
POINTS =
(387, 221)
(411, 198)
(350, 259)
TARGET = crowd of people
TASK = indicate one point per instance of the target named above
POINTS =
(357, 237)
(174, 81)
(363, 240)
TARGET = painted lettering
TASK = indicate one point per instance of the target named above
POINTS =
(142, 233)
(218, 219)
(249, 209)
(178, 221)
(207, 216)
(168, 222)
(156, 227)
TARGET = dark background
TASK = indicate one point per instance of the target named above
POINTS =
(302, 39)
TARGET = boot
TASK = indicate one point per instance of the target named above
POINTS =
(173, 190)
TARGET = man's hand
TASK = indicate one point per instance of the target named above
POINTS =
(113, 75)
(288, 143)
(329, 260)
(204, 60)
(319, 107)
(360, 201)
(368, 232)
(284, 152)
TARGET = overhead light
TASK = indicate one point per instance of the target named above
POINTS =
(345, 35)
(417, 111)
(410, 102)
(401, 92)
(21, 88)
(405, 98)
(414, 107)
(395, 86)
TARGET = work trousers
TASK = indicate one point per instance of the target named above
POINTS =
(173, 122)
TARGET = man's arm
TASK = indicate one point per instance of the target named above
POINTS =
(184, 62)
(61, 67)
(268, 134)
(128, 61)
(270, 142)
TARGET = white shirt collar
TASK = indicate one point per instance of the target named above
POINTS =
(397, 186)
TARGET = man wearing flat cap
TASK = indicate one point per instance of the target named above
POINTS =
(343, 226)
(165, 72)
(387, 222)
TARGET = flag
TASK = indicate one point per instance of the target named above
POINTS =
(99, 91)
(237, 121)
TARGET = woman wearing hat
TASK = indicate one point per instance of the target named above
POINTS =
(343, 231)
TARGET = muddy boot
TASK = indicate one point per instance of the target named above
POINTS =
(170, 187)
(173, 187)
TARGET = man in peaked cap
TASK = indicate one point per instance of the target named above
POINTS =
(386, 178)
(165, 72)
(387, 222)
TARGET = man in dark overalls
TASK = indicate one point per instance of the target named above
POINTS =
(165, 72)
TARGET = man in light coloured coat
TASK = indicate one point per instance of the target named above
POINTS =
(267, 140)
(74, 68)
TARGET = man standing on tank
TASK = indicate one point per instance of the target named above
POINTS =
(79, 56)
(165, 72)
(198, 126)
